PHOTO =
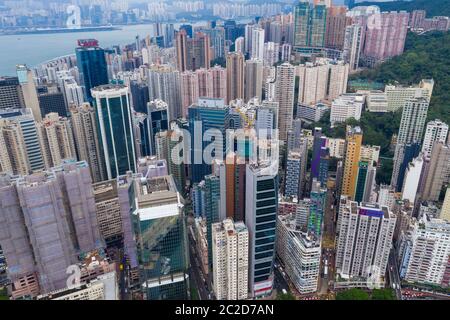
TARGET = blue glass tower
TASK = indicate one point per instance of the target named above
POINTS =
(91, 65)
(211, 114)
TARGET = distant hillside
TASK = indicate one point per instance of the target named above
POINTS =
(425, 56)
(432, 7)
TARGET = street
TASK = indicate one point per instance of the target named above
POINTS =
(196, 273)
(394, 276)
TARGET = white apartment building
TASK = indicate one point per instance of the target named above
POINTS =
(323, 80)
(299, 253)
(345, 107)
(104, 287)
(398, 95)
(412, 179)
(363, 243)
(257, 49)
(313, 112)
(436, 131)
(425, 251)
(230, 260)
(377, 101)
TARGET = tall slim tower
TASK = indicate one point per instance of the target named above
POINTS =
(189, 90)
(91, 65)
(19, 126)
(30, 97)
(235, 76)
(285, 86)
(352, 156)
(87, 143)
(353, 40)
(257, 51)
(253, 79)
(230, 259)
(164, 84)
(410, 134)
(56, 140)
(436, 131)
(115, 126)
(157, 121)
(364, 241)
(261, 209)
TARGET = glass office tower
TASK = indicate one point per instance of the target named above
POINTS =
(115, 127)
(161, 238)
(92, 66)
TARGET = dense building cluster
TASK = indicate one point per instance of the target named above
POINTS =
(185, 163)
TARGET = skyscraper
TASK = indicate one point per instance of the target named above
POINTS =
(253, 79)
(85, 133)
(410, 134)
(91, 65)
(387, 39)
(230, 259)
(157, 121)
(336, 23)
(189, 90)
(320, 157)
(316, 208)
(425, 250)
(21, 140)
(28, 87)
(364, 240)
(300, 254)
(325, 79)
(309, 25)
(352, 156)
(62, 198)
(436, 131)
(438, 172)
(257, 48)
(56, 140)
(261, 208)
(208, 114)
(164, 84)
(115, 127)
(235, 76)
(161, 236)
(51, 99)
(353, 41)
(295, 172)
(11, 95)
(285, 86)
(192, 52)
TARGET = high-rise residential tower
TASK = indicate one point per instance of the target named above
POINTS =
(352, 156)
(285, 87)
(235, 76)
(85, 133)
(230, 260)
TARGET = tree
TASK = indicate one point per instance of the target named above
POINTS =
(383, 294)
(3, 294)
(352, 294)
(432, 7)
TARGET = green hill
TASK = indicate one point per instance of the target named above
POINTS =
(432, 7)
(425, 56)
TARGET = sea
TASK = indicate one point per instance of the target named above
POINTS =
(33, 49)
